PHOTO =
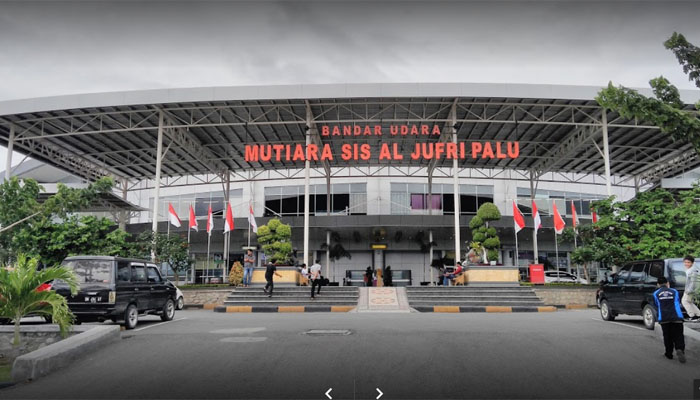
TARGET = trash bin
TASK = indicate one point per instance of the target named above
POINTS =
(537, 273)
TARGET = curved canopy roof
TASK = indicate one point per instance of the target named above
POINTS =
(559, 128)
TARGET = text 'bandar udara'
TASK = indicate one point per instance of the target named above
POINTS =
(387, 151)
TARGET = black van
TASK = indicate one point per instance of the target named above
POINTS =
(629, 291)
(117, 289)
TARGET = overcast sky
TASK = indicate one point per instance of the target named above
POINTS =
(56, 48)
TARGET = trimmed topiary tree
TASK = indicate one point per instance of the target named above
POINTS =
(485, 238)
(276, 240)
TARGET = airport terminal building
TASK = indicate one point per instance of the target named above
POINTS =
(391, 172)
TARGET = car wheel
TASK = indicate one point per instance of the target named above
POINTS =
(131, 317)
(168, 311)
(180, 303)
(649, 317)
(606, 311)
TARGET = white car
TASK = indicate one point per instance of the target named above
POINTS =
(180, 300)
(551, 277)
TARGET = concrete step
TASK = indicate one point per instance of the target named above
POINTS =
(475, 303)
(298, 289)
(470, 293)
(467, 289)
(282, 297)
(290, 302)
(471, 298)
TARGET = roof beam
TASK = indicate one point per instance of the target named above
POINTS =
(192, 146)
(566, 149)
(315, 136)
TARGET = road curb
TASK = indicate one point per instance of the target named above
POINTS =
(486, 309)
(281, 309)
(56, 356)
(574, 306)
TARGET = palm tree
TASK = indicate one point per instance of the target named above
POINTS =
(19, 296)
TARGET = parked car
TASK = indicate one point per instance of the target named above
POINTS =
(551, 276)
(117, 289)
(630, 290)
(179, 299)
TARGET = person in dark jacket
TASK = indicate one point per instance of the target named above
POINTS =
(369, 275)
(388, 278)
(670, 317)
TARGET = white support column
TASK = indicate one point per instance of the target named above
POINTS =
(307, 166)
(606, 153)
(10, 146)
(430, 232)
(534, 230)
(455, 177)
(227, 236)
(156, 185)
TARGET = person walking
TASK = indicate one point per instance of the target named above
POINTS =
(315, 272)
(305, 274)
(388, 278)
(269, 272)
(368, 276)
(248, 265)
(691, 285)
(670, 318)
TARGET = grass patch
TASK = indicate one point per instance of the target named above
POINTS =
(5, 369)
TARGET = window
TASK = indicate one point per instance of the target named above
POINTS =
(676, 274)
(123, 272)
(621, 276)
(656, 271)
(153, 275)
(637, 273)
(138, 273)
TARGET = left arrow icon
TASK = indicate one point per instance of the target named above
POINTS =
(328, 393)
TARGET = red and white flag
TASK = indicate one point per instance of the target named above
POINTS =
(193, 220)
(536, 217)
(228, 219)
(251, 220)
(595, 216)
(172, 215)
(574, 216)
(518, 218)
(559, 223)
(210, 221)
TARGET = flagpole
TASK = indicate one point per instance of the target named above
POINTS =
(206, 277)
(250, 208)
(189, 230)
(517, 260)
(556, 251)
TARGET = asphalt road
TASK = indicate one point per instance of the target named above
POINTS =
(206, 355)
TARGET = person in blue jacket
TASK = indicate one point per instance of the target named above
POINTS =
(670, 317)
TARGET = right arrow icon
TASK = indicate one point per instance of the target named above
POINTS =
(380, 393)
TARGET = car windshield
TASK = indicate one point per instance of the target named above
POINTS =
(94, 272)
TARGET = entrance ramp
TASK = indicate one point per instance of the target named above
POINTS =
(383, 299)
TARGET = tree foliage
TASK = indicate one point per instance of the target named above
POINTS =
(655, 224)
(483, 236)
(172, 250)
(51, 230)
(665, 110)
(276, 240)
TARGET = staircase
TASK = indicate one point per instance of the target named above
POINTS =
(294, 296)
(473, 299)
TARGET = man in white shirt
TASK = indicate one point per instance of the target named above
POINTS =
(691, 272)
(315, 272)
